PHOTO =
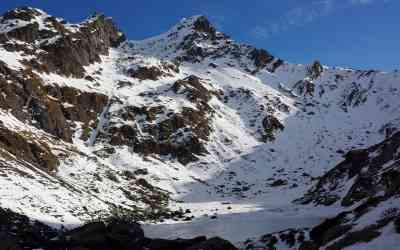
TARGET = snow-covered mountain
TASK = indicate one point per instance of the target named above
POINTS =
(195, 134)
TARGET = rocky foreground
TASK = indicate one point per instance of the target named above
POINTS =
(18, 232)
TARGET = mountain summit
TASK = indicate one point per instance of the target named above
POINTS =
(190, 133)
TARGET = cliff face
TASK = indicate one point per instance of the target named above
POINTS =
(60, 48)
(190, 124)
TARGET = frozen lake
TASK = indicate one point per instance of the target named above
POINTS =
(238, 223)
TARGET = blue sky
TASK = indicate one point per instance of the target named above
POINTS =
(352, 33)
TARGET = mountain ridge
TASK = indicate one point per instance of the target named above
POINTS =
(185, 126)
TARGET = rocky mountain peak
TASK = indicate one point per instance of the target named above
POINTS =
(23, 13)
(104, 26)
(59, 46)
(44, 28)
(195, 39)
(199, 24)
(203, 25)
(21, 19)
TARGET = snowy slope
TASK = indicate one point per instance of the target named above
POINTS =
(235, 147)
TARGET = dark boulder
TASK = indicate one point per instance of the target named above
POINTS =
(124, 235)
(19, 232)
(92, 235)
(397, 224)
(132, 230)
(9, 242)
(177, 244)
(308, 245)
(213, 244)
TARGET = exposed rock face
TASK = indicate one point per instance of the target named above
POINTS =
(194, 90)
(80, 106)
(23, 13)
(59, 49)
(180, 135)
(367, 168)
(271, 124)
(65, 50)
(374, 180)
(339, 232)
(154, 73)
(354, 96)
(27, 33)
(146, 73)
(50, 108)
(69, 54)
(27, 100)
(276, 64)
(25, 147)
(315, 70)
(261, 57)
(30, 31)
(166, 132)
(305, 87)
(333, 234)
(203, 25)
(193, 52)
(198, 31)
(201, 30)
(291, 238)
